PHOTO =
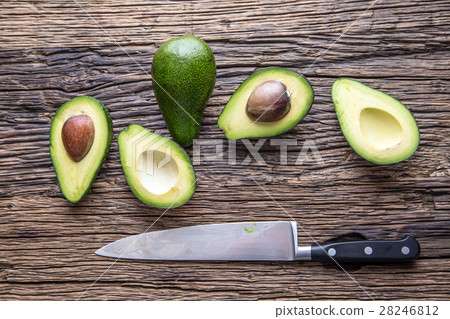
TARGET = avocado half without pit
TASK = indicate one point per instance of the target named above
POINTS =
(158, 171)
(80, 138)
(270, 102)
(378, 127)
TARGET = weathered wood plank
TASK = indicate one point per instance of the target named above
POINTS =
(309, 25)
(190, 281)
(52, 52)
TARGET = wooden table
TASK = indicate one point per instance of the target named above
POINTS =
(53, 51)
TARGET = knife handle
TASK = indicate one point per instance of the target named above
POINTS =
(370, 251)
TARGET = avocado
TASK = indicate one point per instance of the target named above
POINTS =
(80, 138)
(270, 102)
(183, 76)
(158, 171)
(378, 127)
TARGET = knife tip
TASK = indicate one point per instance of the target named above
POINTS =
(100, 252)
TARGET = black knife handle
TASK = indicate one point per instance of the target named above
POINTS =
(370, 251)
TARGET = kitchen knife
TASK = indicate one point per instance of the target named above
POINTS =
(253, 241)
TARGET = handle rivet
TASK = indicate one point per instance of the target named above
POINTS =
(368, 250)
(405, 250)
(331, 252)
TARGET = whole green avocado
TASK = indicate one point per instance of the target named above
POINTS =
(183, 76)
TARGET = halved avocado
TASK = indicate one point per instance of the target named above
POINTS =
(238, 121)
(80, 138)
(378, 127)
(158, 171)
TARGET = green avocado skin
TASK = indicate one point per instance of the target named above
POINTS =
(183, 76)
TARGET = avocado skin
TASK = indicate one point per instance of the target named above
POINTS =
(109, 138)
(183, 70)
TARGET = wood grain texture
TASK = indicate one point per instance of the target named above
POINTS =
(53, 51)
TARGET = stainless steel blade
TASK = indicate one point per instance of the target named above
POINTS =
(234, 241)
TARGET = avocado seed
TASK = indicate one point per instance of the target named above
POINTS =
(269, 102)
(78, 135)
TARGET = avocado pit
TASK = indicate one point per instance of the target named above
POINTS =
(269, 102)
(78, 135)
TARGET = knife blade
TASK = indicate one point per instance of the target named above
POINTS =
(261, 241)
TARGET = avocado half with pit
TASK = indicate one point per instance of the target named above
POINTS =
(158, 171)
(378, 127)
(80, 138)
(270, 102)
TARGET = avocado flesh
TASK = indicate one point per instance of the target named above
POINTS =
(378, 127)
(183, 76)
(234, 120)
(76, 178)
(158, 171)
